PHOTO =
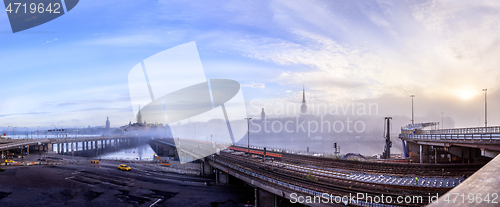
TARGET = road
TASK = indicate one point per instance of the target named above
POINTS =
(83, 184)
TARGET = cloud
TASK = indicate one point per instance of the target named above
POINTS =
(254, 85)
(21, 114)
(50, 41)
(433, 51)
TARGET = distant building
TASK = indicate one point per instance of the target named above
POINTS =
(108, 125)
(262, 115)
(141, 125)
(139, 116)
(303, 108)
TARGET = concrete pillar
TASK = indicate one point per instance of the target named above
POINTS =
(216, 176)
(72, 147)
(421, 154)
(435, 156)
(76, 147)
(256, 197)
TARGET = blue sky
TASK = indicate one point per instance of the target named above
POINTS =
(72, 71)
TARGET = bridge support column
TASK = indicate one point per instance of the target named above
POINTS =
(276, 201)
(49, 147)
(256, 197)
(72, 149)
(67, 147)
(76, 147)
(216, 176)
(435, 156)
(421, 154)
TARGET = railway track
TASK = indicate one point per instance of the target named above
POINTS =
(333, 186)
(421, 170)
(394, 169)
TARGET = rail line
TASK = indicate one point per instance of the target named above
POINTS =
(377, 168)
(325, 184)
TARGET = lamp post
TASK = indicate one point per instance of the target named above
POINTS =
(485, 109)
(248, 122)
(412, 96)
(37, 133)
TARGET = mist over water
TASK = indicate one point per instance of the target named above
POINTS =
(141, 152)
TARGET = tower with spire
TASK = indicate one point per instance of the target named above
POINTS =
(108, 125)
(139, 116)
(303, 108)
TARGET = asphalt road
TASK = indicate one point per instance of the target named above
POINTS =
(85, 184)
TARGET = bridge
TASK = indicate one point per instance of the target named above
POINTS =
(70, 145)
(465, 145)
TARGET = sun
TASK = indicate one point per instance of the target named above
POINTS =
(466, 94)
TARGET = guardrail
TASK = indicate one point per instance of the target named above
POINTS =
(456, 137)
(470, 130)
(18, 144)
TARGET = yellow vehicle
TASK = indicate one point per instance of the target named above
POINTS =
(124, 167)
(9, 161)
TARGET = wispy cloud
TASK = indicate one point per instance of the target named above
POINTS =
(254, 85)
(50, 41)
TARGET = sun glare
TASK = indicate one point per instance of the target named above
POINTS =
(466, 94)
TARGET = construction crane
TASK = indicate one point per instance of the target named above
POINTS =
(387, 136)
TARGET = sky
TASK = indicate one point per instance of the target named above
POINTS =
(72, 71)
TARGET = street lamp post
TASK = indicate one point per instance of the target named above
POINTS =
(248, 122)
(412, 96)
(485, 109)
(26, 132)
(37, 133)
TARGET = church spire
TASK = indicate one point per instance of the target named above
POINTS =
(303, 94)
(139, 117)
(303, 108)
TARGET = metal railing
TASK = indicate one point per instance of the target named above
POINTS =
(470, 130)
(455, 137)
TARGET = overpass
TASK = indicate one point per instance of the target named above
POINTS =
(465, 145)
